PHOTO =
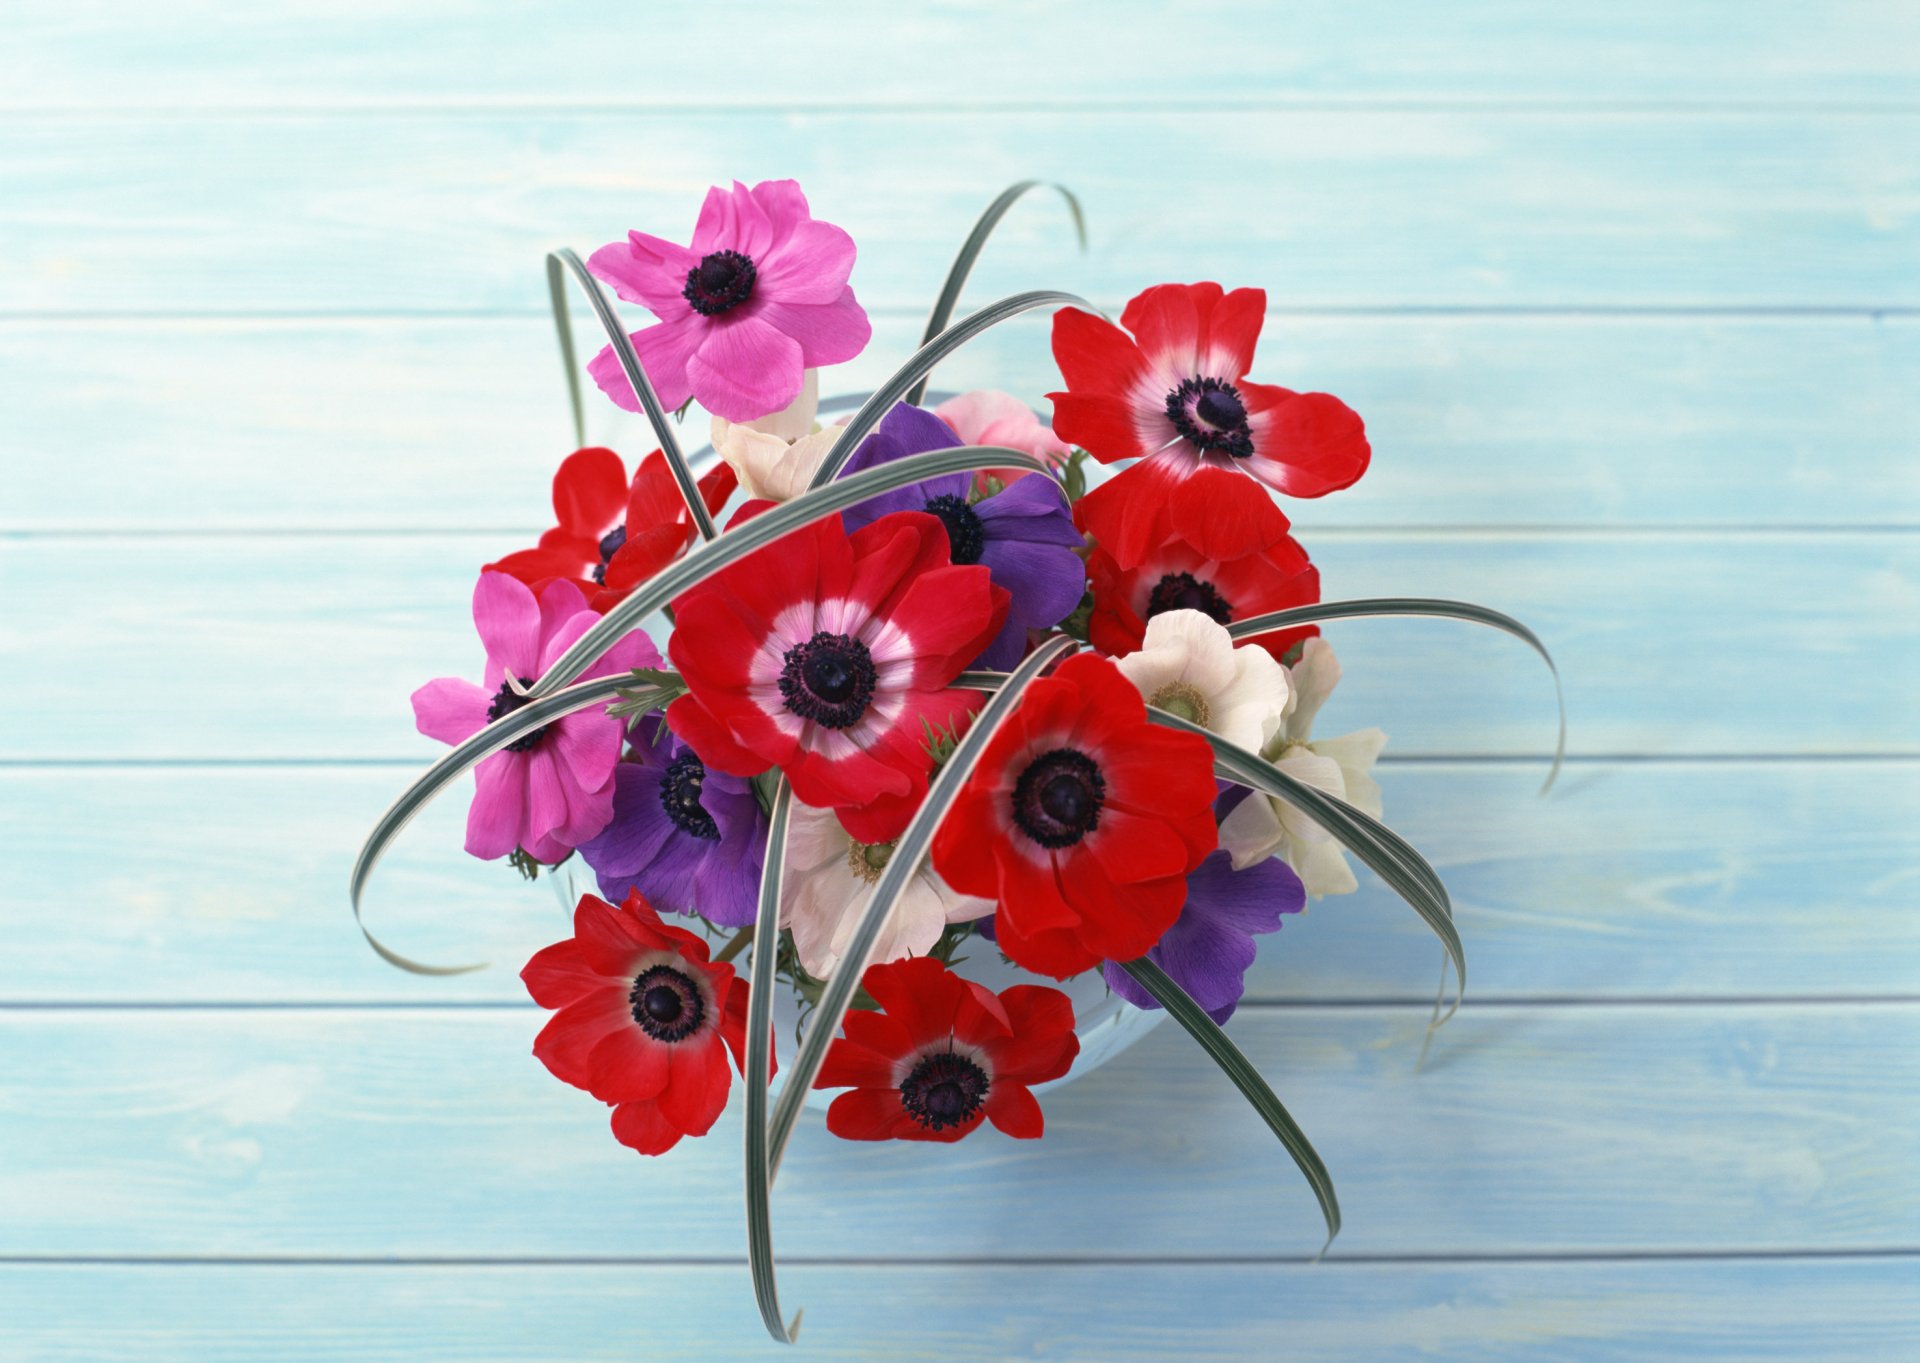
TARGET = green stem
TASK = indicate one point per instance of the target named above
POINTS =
(733, 948)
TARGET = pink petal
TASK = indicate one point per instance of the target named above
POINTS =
(508, 619)
(646, 270)
(450, 709)
(828, 333)
(561, 604)
(588, 745)
(493, 819)
(663, 350)
(546, 795)
(747, 369)
(785, 206)
(811, 266)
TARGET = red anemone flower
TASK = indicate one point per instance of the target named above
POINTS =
(613, 535)
(828, 655)
(944, 1055)
(1176, 576)
(1175, 395)
(1082, 819)
(645, 1021)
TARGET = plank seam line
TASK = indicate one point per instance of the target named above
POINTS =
(1335, 1259)
(1386, 105)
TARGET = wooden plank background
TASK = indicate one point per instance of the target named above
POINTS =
(1628, 297)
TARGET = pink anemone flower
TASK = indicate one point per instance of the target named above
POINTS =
(756, 300)
(551, 790)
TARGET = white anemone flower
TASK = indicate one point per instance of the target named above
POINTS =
(829, 881)
(776, 455)
(1188, 666)
(1260, 827)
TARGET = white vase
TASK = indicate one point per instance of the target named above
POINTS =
(1106, 1023)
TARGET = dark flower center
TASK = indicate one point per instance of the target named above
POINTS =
(667, 1004)
(944, 1089)
(680, 797)
(828, 679)
(505, 702)
(722, 280)
(1057, 799)
(965, 535)
(1210, 414)
(1185, 592)
(610, 544)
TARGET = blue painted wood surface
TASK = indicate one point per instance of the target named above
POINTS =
(1628, 298)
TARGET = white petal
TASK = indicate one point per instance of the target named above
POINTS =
(1252, 832)
(1314, 677)
(1355, 753)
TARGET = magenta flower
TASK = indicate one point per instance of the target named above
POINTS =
(759, 298)
(551, 790)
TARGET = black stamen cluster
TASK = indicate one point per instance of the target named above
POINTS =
(944, 1089)
(966, 537)
(722, 280)
(1185, 592)
(1057, 799)
(667, 1004)
(829, 679)
(680, 797)
(1210, 414)
(611, 543)
(505, 702)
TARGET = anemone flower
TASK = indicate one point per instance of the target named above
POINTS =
(829, 881)
(548, 791)
(644, 1021)
(1188, 666)
(1260, 826)
(1176, 576)
(758, 298)
(775, 456)
(943, 1054)
(689, 840)
(1174, 395)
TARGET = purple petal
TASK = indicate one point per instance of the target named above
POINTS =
(1032, 508)
(1046, 580)
(640, 826)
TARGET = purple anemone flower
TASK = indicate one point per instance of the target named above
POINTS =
(689, 839)
(1210, 946)
(1024, 534)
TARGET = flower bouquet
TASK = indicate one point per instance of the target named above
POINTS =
(962, 760)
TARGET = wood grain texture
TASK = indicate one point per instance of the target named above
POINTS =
(1532, 1131)
(1343, 210)
(456, 424)
(1786, 1311)
(308, 646)
(1666, 879)
(222, 54)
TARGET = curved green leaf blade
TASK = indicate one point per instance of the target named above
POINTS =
(1425, 608)
(1390, 856)
(1234, 1064)
(489, 740)
(566, 258)
(569, 362)
(760, 987)
(761, 531)
(908, 853)
(970, 252)
(922, 363)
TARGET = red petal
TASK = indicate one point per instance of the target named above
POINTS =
(566, 1044)
(642, 1127)
(1225, 514)
(1310, 446)
(627, 1065)
(559, 974)
(1165, 319)
(1013, 1108)
(1233, 329)
(1099, 423)
(919, 993)
(590, 492)
(696, 1091)
(1094, 355)
(867, 1115)
(1127, 514)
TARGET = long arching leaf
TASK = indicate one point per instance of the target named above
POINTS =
(569, 362)
(566, 258)
(1235, 1065)
(759, 532)
(922, 363)
(1427, 608)
(464, 755)
(1389, 855)
(760, 987)
(970, 252)
(908, 853)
